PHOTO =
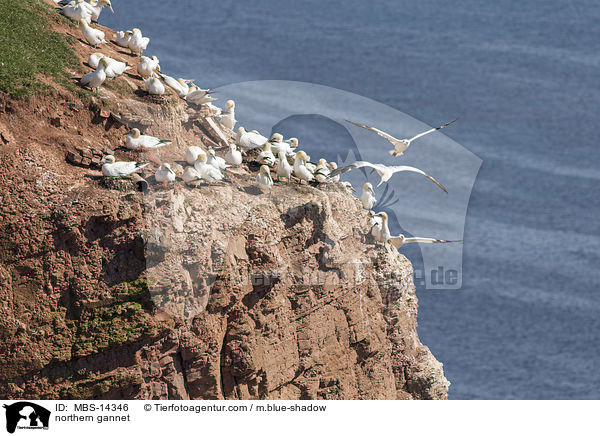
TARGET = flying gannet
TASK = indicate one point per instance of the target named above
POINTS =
(264, 180)
(367, 198)
(91, 35)
(111, 168)
(154, 86)
(283, 167)
(300, 169)
(249, 140)
(136, 141)
(94, 79)
(384, 171)
(381, 232)
(205, 171)
(233, 156)
(400, 145)
(227, 117)
(137, 42)
(164, 174)
(148, 66)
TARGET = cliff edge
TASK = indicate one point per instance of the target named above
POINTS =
(211, 292)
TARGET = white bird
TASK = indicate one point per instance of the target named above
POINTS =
(300, 169)
(227, 117)
(147, 66)
(164, 174)
(111, 168)
(233, 156)
(94, 79)
(283, 167)
(122, 38)
(400, 240)
(381, 232)
(400, 145)
(136, 141)
(212, 109)
(205, 171)
(367, 198)
(264, 180)
(96, 8)
(216, 161)
(249, 140)
(199, 96)
(384, 172)
(115, 68)
(192, 153)
(333, 166)
(154, 86)
(94, 60)
(137, 42)
(190, 175)
(349, 187)
(266, 156)
(91, 35)
(76, 11)
(322, 171)
(177, 85)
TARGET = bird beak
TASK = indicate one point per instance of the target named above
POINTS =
(111, 9)
(380, 183)
(171, 171)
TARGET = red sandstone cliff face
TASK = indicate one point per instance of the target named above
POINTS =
(194, 293)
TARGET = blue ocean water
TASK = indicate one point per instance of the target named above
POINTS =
(522, 77)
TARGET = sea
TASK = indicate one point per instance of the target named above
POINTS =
(522, 77)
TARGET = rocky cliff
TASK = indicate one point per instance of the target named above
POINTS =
(211, 292)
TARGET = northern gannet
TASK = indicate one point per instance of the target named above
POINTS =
(266, 156)
(300, 169)
(147, 66)
(154, 86)
(94, 79)
(333, 166)
(283, 167)
(322, 171)
(190, 175)
(192, 153)
(233, 156)
(249, 140)
(91, 35)
(122, 38)
(199, 96)
(227, 117)
(205, 171)
(384, 172)
(136, 141)
(115, 68)
(180, 87)
(264, 180)
(111, 168)
(96, 8)
(400, 145)
(137, 42)
(216, 161)
(367, 198)
(76, 11)
(381, 232)
(164, 174)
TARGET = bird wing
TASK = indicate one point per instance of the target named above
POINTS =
(126, 168)
(431, 130)
(421, 240)
(399, 146)
(357, 164)
(416, 170)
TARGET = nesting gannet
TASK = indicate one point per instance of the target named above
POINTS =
(76, 11)
(91, 35)
(177, 85)
(190, 175)
(147, 66)
(384, 172)
(164, 174)
(233, 156)
(94, 79)
(367, 198)
(199, 96)
(322, 171)
(94, 59)
(111, 168)
(266, 156)
(136, 141)
(205, 171)
(249, 140)
(192, 153)
(264, 180)
(96, 8)
(213, 110)
(349, 187)
(333, 166)
(216, 161)
(137, 42)
(400, 145)
(300, 169)
(227, 117)
(115, 68)
(283, 167)
(122, 38)
(154, 86)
